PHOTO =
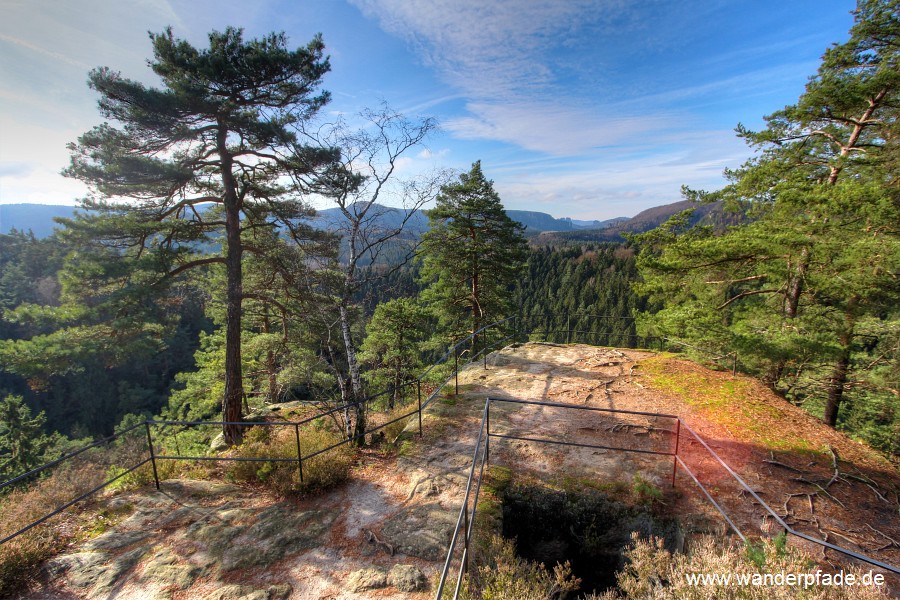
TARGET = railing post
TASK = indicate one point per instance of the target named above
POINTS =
(487, 436)
(465, 567)
(299, 453)
(568, 328)
(419, 397)
(456, 368)
(152, 454)
(675, 455)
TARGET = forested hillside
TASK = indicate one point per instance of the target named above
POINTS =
(805, 293)
(581, 293)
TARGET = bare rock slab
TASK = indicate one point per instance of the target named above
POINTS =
(277, 532)
(422, 531)
(165, 570)
(407, 578)
(246, 592)
(367, 579)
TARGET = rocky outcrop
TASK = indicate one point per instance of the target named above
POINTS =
(187, 531)
(421, 530)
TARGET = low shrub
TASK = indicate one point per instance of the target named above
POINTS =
(506, 576)
(20, 557)
(319, 472)
(143, 475)
(645, 492)
(393, 431)
(654, 572)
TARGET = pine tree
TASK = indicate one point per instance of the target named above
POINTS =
(393, 345)
(471, 256)
(22, 441)
(789, 290)
(221, 132)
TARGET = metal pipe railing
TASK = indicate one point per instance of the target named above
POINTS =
(467, 522)
(154, 456)
(463, 513)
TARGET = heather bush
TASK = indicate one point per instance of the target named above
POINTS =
(505, 576)
(20, 557)
(654, 572)
(319, 472)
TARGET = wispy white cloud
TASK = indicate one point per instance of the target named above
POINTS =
(40, 185)
(537, 75)
(15, 169)
(551, 128)
(34, 47)
(610, 185)
(493, 48)
(595, 92)
(48, 48)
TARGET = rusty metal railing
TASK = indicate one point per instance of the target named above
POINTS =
(480, 460)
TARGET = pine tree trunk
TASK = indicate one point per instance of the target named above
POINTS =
(271, 366)
(837, 382)
(234, 385)
(791, 306)
(475, 310)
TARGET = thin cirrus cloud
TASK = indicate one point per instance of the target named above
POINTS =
(542, 76)
(638, 97)
(494, 48)
(550, 128)
(15, 169)
(603, 185)
(443, 35)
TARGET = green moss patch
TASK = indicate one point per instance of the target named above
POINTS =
(737, 404)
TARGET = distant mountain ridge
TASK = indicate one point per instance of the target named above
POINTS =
(704, 214)
(540, 227)
(37, 218)
(534, 222)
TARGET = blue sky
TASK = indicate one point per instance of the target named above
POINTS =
(578, 108)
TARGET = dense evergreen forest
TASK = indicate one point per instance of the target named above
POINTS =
(581, 293)
(161, 305)
(84, 388)
(82, 383)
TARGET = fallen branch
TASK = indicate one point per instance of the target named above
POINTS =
(872, 485)
(844, 537)
(783, 466)
(373, 539)
(892, 541)
(834, 463)
(821, 489)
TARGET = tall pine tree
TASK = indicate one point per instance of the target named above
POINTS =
(220, 132)
(806, 289)
(471, 255)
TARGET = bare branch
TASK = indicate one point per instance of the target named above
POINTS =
(749, 293)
